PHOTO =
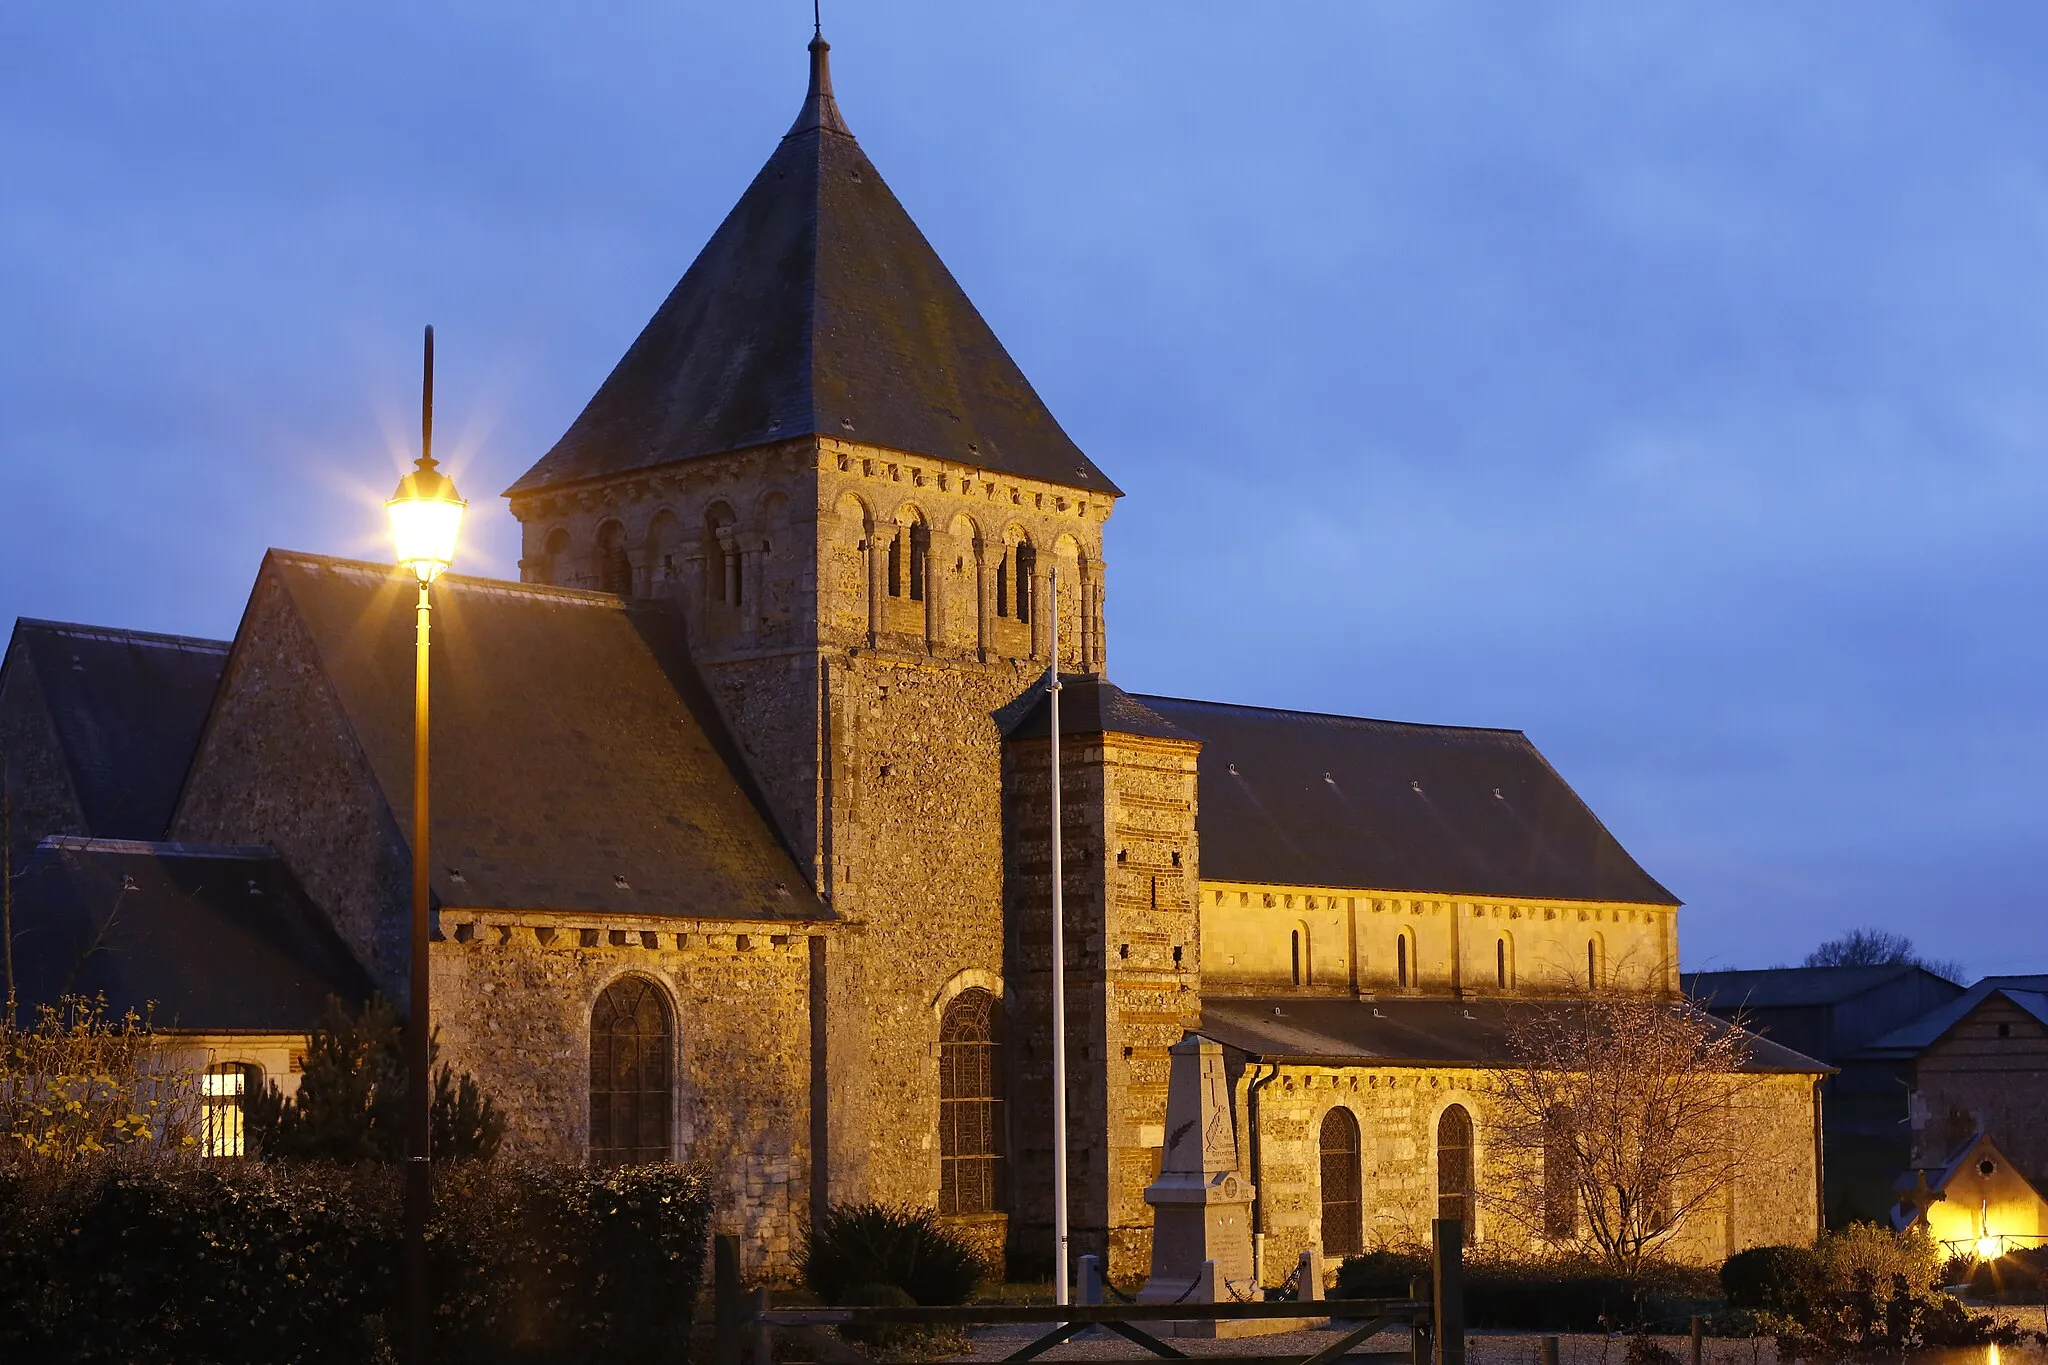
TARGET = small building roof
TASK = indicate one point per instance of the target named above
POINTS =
(1301, 799)
(2029, 993)
(577, 762)
(200, 937)
(816, 309)
(126, 707)
(1088, 706)
(1792, 987)
(1411, 1032)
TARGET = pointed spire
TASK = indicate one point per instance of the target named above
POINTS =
(820, 109)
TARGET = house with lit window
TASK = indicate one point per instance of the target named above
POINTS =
(743, 802)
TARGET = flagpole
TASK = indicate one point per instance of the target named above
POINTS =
(1059, 976)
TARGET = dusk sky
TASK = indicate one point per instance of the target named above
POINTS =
(1667, 381)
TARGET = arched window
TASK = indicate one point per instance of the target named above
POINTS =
(555, 568)
(632, 1097)
(895, 573)
(1027, 566)
(1454, 1166)
(1297, 968)
(224, 1093)
(1503, 962)
(614, 569)
(1404, 970)
(1596, 966)
(1003, 585)
(661, 547)
(1343, 1221)
(970, 1106)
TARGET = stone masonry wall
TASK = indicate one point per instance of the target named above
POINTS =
(1988, 1074)
(278, 764)
(513, 994)
(1133, 964)
(1398, 1108)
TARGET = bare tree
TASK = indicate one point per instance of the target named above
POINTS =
(1878, 948)
(1617, 1118)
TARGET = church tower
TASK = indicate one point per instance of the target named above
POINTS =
(819, 453)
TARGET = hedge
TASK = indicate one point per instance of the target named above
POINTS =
(241, 1263)
(1545, 1295)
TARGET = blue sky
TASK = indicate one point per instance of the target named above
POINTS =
(1669, 381)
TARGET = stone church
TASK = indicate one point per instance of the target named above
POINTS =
(741, 809)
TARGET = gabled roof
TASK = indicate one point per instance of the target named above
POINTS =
(1414, 1032)
(1791, 987)
(1088, 706)
(1299, 799)
(817, 308)
(2029, 993)
(577, 763)
(203, 938)
(126, 707)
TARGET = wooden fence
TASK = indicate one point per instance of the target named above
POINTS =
(747, 1328)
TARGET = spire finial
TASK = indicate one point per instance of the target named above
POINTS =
(820, 109)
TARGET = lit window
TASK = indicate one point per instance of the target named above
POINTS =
(223, 1092)
(970, 1106)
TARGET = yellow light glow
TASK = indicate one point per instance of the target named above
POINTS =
(1987, 1248)
(425, 515)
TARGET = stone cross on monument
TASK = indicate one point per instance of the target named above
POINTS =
(1201, 1208)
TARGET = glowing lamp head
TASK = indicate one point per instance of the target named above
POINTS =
(1987, 1248)
(425, 516)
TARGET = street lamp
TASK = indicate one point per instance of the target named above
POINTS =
(425, 516)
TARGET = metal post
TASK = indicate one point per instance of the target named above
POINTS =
(1448, 1267)
(419, 1171)
(725, 1300)
(1059, 975)
(1091, 1281)
(1548, 1355)
(1698, 1344)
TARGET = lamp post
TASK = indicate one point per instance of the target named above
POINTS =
(425, 516)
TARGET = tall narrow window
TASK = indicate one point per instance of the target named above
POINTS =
(1401, 960)
(1454, 1166)
(1343, 1221)
(970, 1108)
(224, 1091)
(1502, 972)
(1003, 585)
(1027, 569)
(614, 568)
(1560, 1178)
(896, 561)
(920, 558)
(1596, 962)
(1294, 953)
(632, 1096)
(555, 568)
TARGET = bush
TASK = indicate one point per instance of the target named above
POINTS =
(1866, 1248)
(1550, 1295)
(2018, 1276)
(862, 1245)
(1771, 1279)
(1869, 1322)
(234, 1263)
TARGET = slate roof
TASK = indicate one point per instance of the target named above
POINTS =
(1088, 706)
(1300, 799)
(2030, 993)
(204, 938)
(1411, 1032)
(1790, 987)
(817, 307)
(577, 763)
(127, 707)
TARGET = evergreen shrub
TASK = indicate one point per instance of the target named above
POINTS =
(858, 1246)
(1771, 1279)
(241, 1263)
(1551, 1294)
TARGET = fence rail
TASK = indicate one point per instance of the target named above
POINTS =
(1433, 1314)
